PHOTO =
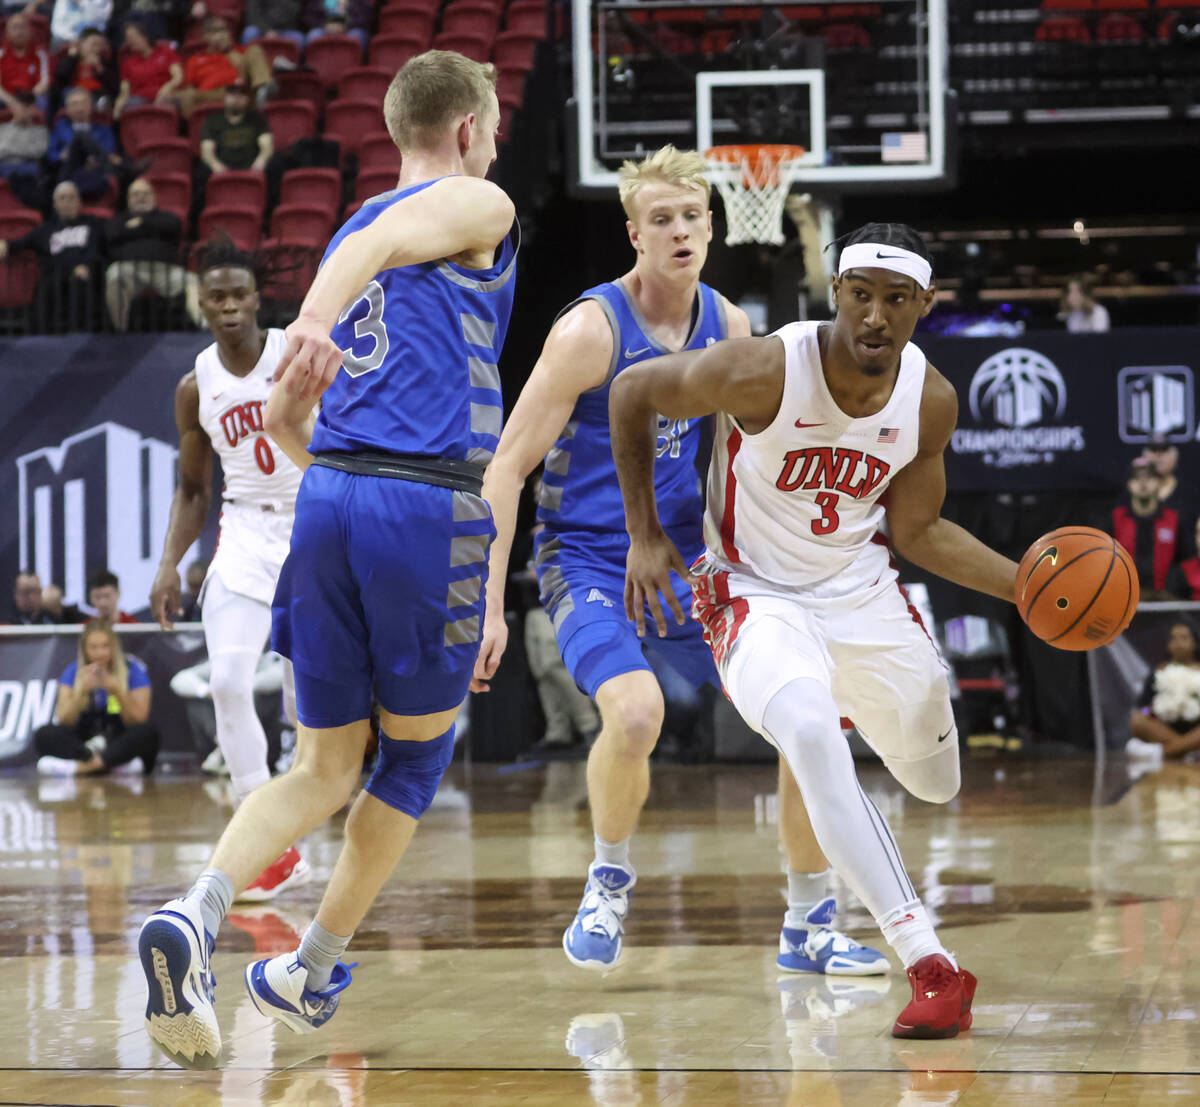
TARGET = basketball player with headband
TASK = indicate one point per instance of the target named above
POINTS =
(822, 430)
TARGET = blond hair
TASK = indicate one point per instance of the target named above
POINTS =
(430, 92)
(681, 168)
(119, 668)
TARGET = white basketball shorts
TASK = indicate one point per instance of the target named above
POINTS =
(251, 550)
(855, 633)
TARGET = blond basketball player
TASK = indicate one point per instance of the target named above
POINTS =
(562, 416)
(219, 409)
(796, 589)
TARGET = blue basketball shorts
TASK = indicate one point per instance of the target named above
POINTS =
(581, 578)
(381, 596)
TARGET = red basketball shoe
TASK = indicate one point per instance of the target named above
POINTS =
(287, 871)
(941, 1002)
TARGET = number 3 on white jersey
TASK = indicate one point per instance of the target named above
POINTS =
(370, 325)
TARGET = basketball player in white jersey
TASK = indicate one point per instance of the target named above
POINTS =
(796, 589)
(562, 416)
(219, 411)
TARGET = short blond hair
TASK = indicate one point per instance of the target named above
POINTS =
(432, 90)
(682, 168)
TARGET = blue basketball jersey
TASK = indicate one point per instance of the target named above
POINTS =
(421, 344)
(579, 488)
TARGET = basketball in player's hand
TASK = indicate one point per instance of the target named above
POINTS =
(1077, 588)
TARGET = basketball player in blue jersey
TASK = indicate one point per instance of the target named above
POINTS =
(562, 414)
(381, 593)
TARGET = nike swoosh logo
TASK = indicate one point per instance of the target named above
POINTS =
(1050, 553)
(634, 353)
(890, 257)
(803, 425)
(943, 737)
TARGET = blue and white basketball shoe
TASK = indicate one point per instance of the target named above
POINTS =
(176, 951)
(593, 940)
(279, 989)
(818, 947)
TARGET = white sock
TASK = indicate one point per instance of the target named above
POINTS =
(910, 933)
(613, 853)
(805, 891)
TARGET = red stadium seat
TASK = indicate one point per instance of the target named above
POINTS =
(527, 16)
(1062, 29)
(290, 121)
(378, 151)
(510, 88)
(148, 123)
(471, 17)
(169, 155)
(806, 13)
(1119, 28)
(275, 47)
(351, 209)
(303, 224)
(244, 227)
(331, 56)
(322, 187)
(392, 51)
(172, 192)
(196, 122)
(289, 270)
(14, 224)
(1122, 5)
(18, 279)
(477, 47)
(9, 202)
(367, 83)
(374, 182)
(514, 50)
(243, 188)
(846, 36)
(417, 25)
(299, 84)
(348, 122)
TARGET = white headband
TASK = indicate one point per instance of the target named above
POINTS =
(878, 255)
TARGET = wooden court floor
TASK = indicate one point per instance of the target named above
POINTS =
(1072, 893)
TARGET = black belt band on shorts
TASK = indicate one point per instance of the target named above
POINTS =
(462, 476)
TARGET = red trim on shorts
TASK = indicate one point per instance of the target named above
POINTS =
(730, 550)
(880, 540)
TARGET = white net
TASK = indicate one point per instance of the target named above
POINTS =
(753, 182)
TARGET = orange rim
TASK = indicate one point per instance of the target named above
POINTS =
(759, 161)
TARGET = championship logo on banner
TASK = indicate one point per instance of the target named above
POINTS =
(1156, 400)
(1016, 398)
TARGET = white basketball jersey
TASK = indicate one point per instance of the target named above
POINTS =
(257, 472)
(798, 502)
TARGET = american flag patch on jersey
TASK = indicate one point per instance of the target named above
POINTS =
(888, 434)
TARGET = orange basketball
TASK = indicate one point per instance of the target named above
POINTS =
(1077, 588)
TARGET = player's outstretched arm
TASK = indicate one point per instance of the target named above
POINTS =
(915, 497)
(193, 498)
(575, 357)
(742, 377)
(289, 421)
(453, 216)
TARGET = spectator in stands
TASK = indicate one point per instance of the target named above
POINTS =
(1189, 569)
(82, 150)
(103, 712)
(1171, 493)
(1079, 311)
(151, 71)
(1150, 532)
(189, 603)
(208, 74)
(27, 607)
(337, 17)
(143, 247)
(23, 68)
(236, 138)
(70, 18)
(1168, 710)
(23, 144)
(68, 248)
(86, 64)
(160, 19)
(104, 594)
(62, 613)
(273, 17)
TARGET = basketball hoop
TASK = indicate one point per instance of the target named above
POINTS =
(753, 181)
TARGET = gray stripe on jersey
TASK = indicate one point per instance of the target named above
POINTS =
(464, 593)
(550, 497)
(484, 374)
(468, 549)
(555, 595)
(478, 332)
(487, 419)
(462, 633)
(468, 507)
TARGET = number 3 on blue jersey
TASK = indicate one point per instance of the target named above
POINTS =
(371, 326)
(669, 432)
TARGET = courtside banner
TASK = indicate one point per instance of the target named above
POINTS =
(1050, 410)
(88, 458)
(33, 658)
